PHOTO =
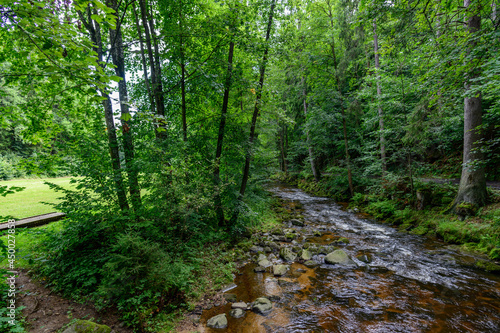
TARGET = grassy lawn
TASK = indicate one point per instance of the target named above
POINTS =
(27, 240)
(29, 201)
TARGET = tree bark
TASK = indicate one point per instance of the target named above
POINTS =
(220, 139)
(344, 121)
(94, 30)
(157, 89)
(144, 62)
(309, 145)
(116, 44)
(472, 188)
(246, 169)
(379, 94)
(258, 97)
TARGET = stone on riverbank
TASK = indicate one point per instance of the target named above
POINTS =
(239, 305)
(85, 326)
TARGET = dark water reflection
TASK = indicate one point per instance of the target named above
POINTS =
(413, 284)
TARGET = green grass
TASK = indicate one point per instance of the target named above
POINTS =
(27, 240)
(29, 201)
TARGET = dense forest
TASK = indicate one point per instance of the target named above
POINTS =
(174, 115)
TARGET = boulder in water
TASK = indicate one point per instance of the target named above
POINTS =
(338, 257)
(279, 270)
(287, 254)
(262, 305)
(237, 313)
(219, 321)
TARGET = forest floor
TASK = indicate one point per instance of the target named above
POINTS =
(492, 184)
(48, 312)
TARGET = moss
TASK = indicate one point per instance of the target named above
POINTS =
(290, 236)
(487, 266)
(85, 326)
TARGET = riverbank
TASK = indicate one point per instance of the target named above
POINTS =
(330, 269)
(419, 211)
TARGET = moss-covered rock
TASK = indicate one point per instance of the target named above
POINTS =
(487, 266)
(85, 326)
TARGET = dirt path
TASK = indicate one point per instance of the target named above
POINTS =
(47, 312)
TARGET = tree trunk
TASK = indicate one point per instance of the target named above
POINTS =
(344, 122)
(258, 97)
(246, 169)
(379, 93)
(157, 90)
(472, 189)
(116, 44)
(94, 30)
(282, 134)
(309, 145)
(220, 139)
(183, 90)
(144, 62)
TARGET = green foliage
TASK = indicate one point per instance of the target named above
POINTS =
(19, 322)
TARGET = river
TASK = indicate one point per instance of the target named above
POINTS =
(399, 282)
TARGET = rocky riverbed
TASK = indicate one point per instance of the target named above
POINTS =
(331, 270)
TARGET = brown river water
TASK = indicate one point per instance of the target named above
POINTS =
(412, 284)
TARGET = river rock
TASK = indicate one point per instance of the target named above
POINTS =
(274, 246)
(85, 326)
(311, 263)
(265, 263)
(305, 255)
(237, 313)
(231, 298)
(364, 258)
(338, 257)
(219, 321)
(297, 223)
(259, 269)
(279, 270)
(239, 305)
(256, 249)
(287, 254)
(267, 249)
(262, 305)
(261, 257)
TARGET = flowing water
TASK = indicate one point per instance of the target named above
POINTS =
(412, 284)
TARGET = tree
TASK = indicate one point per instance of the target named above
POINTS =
(472, 189)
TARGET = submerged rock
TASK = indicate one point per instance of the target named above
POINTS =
(259, 269)
(237, 313)
(338, 257)
(219, 321)
(262, 305)
(85, 326)
(279, 270)
(364, 258)
(311, 263)
(231, 298)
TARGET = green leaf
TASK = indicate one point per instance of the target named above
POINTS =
(126, 117)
